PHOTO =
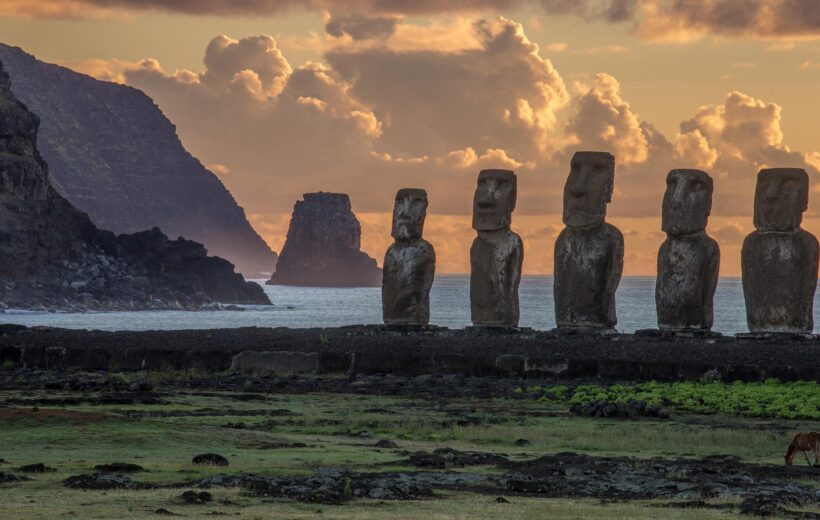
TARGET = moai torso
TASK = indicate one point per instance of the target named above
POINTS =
(588, 263)
(409, 264)
(495, 260)
(779, 280)
(408, 276)
(589, 252)
(497, 253)
(689, 259)
(779, 260)
(687, 279)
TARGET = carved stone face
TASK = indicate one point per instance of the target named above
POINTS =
(409, 212)
(494, 200)
(687, 202)
(589, 188)
(781, 197)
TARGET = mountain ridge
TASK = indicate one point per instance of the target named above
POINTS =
(114, 155)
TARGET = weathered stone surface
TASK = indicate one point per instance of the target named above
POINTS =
(689, 259)
(323, 246)
(275, 362)
(589, 252)
(52, 256)
(497, 253)
(779, 259)
(115, 156)
(409, 264)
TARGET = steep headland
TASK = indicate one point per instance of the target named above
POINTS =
(323, 246)
(115, 156)
(52, 256)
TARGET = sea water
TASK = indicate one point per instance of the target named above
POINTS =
(449, 306)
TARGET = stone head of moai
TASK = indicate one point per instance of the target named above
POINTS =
(589, 188)
(409, 212)
(781, 197)
(494, 200)
(687, 202)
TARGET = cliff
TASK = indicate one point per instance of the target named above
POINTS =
(115, 156)
(322, 248)
(52, 256)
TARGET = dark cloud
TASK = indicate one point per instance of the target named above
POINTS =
(360, 27)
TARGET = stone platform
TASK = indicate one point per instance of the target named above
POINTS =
(519, 353)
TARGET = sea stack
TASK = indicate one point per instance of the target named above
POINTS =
(688, 260)
(779, 259)
(323, 246)
(589, 252)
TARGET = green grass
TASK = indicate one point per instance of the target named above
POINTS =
(332, 428)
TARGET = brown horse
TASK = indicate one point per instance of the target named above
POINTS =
(804, 442)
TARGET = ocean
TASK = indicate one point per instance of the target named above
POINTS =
(450, 306)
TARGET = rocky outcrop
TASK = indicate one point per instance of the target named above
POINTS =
(115, 156)
(52, 256)
(323, 246)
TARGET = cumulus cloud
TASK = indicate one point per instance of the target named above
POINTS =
(734, 140)
(502, 94)
(605, 121)
(381, 113)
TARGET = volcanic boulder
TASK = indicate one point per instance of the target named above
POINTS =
(323, 246)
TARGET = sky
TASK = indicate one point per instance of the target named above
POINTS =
(283, 97)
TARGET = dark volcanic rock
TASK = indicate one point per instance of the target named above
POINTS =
(192, 497)
(11, 477)
(323, 246)
(118, 467)
(115, 156)
(209, 459)
(36, 468)
(52, 256)
(103, 481)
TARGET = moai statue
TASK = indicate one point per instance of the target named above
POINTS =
(409, 264)
(779, 259)
(497, 253)
(589, 253)
(688, 260)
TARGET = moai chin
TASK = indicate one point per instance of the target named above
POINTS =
(497, 253)
(779, 259)
(589, 252)
(688, 260)
(409, 264)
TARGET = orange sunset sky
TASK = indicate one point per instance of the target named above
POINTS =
(282, 97)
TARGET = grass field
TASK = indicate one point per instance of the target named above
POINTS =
(270, 434)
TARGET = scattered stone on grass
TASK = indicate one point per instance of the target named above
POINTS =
(36, 468)
(11, 477)
(118, 467)
(328, 486)
(164, 512)
(280, 445)
(192, 497)
(209, 459)
(522, 442)
(502, 500)
(385, 443)
(448, 457)
(103, 481)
